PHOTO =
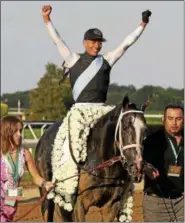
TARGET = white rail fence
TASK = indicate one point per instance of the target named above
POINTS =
(35, 125)
(41, 126)
(32, 128)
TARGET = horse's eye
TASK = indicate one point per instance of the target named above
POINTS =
(130, 121)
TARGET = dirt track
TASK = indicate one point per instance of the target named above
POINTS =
(35, 215)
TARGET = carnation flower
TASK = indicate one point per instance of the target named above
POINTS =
(122, 218)
(82, 119)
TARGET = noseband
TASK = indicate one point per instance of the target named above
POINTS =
(118, 131)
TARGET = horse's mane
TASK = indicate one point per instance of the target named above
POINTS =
(111, 115)
(106, 125)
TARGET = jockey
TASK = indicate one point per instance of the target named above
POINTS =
(90, 71)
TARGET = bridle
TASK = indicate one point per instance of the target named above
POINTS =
(118, 132)
(110, 162)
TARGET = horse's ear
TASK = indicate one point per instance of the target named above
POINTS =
(143, 107)
(125, 102)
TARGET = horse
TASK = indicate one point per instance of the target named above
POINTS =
(119, 133)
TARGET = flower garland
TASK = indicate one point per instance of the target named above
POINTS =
(125, 214)
(82, 119)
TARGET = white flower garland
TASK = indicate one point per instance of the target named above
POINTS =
(82, 119)
(125, 214)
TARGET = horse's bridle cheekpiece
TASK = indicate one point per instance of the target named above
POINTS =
(118, 131)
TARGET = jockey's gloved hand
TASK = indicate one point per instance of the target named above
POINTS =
(145, 16)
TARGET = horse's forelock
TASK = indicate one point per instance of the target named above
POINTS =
(111, 116)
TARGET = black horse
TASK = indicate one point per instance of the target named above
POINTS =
(119, 133)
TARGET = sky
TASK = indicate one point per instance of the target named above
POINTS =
(157, 58)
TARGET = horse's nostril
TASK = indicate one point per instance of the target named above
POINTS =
(133, 170)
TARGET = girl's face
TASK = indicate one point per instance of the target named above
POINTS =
(17, 136)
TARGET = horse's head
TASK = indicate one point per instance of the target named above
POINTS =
(129, 135)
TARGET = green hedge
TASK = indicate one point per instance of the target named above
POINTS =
(4, 109)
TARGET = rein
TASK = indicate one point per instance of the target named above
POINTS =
(107, 163)
(103, 165)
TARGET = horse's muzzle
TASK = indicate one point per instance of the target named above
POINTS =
(138, 169)
(135, 172)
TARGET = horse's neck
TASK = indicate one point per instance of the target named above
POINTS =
(101, 148)
(101, 138)
(100, 143)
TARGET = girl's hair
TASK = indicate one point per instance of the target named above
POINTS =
(8, 129)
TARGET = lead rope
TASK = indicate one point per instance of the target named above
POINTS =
(107, 163)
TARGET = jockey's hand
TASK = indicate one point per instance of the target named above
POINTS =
(145, 16)
(48, 185)
(46, 11)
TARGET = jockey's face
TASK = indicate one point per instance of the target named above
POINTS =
(92, 47)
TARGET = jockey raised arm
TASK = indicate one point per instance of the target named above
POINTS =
(90, 71)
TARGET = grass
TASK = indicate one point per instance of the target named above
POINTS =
(28, 134)
(37, 131)
(153, 121)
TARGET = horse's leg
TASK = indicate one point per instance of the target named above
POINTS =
(87, 196)
(93, 211)
(111, 208)
(106, 213)
(79, 211)
(86, 209)
(61, 215)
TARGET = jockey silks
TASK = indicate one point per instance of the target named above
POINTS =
(96, 88)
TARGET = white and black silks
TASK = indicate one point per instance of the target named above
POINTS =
(65, 72)
(68, 102)
(93, 87)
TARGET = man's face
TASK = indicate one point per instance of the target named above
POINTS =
(173, 121)
(92, 47)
